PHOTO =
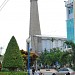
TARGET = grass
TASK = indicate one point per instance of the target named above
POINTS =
(13, 73)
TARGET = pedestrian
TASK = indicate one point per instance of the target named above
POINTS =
(38, 72)
(41, 74)
(33, 71)
(68, 73)
(53, 74)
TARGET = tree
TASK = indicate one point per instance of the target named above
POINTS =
(12, 57)
(52, 41)
(50, 58)
(33, 57)
(66, 58)
(72, 45)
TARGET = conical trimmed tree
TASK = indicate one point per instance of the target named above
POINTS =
(12, 58)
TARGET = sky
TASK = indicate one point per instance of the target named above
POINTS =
(15, 19)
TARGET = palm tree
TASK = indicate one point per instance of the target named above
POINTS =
(52, 40)
(66, 58)
(72, 45)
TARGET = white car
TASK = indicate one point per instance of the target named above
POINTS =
(65, 71)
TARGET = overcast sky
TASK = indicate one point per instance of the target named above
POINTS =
(15, 17)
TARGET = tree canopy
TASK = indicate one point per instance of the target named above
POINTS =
(71, 45)
(32, 55)
(55, 55)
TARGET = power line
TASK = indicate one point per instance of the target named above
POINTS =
(3, 4)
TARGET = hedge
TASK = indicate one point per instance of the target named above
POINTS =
(13, 73)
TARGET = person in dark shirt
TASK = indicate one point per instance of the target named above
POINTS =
(53, 74)
(33, 71)
(68, 73)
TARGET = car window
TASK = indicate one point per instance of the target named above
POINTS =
(70, 69)
(60, 69)
(63, 69)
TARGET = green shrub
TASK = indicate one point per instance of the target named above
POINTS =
(13, 73)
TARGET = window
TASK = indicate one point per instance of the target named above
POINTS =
(69, 11)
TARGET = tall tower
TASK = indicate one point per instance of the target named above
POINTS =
(70, 8)
(35, 42)
(34, 19)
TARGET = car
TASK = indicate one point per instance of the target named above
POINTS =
(64, 71)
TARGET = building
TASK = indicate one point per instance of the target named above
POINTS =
(70, 9)
(36, 42)
(34, 26)
(48, 43)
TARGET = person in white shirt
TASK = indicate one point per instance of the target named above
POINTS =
(38, 72)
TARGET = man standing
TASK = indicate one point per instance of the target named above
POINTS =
(33, 71)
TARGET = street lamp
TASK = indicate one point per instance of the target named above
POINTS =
(28, 59)
(28, 43)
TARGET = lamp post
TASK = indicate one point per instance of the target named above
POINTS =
(28, 59)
